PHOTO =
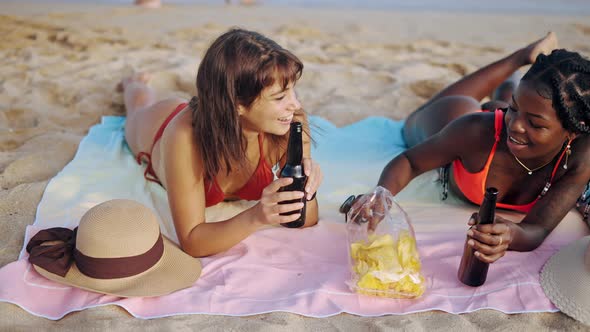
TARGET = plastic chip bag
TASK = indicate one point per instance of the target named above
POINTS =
(383, 256)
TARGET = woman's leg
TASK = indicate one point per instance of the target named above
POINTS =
(463, 96)
(136, 93)
(145, 113)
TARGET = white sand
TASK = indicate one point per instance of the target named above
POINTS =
(59, 65)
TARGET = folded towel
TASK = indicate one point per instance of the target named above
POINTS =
(277, 269)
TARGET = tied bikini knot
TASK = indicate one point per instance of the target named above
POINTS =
(53, 249)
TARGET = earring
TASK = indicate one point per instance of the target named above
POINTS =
(568, 151)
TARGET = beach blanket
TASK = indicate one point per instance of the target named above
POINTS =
(301, 271)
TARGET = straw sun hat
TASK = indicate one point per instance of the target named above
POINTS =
(565, 278)
(117, 249)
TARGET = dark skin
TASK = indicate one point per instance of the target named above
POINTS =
(533, 123)
(449, 126)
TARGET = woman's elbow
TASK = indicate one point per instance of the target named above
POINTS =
(311, 215)
(193, 250)
(193, 247)
(311, 221)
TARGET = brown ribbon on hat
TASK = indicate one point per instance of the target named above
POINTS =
(57, 258)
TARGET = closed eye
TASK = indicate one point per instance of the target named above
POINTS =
(535, 126)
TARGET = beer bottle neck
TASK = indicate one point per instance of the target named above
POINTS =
(295, 147)
(487, 210)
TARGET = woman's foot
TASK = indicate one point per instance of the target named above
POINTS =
(142, 78)
(148, 3)
(505, 90)
(544, 45)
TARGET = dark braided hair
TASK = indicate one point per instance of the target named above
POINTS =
(564, 78)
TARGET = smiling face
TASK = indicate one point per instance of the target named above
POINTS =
(272, 112)
(534, 131)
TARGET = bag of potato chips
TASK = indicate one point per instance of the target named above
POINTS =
(383, 257)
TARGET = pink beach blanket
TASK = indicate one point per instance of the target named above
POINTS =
(302, 271)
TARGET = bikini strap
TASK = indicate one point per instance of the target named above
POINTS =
(149, 173)
(498, 123)
(168, 119)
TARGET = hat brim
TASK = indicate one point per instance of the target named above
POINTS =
(174, 271)
(566, 280)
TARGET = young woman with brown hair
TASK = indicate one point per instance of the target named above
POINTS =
(221, 145)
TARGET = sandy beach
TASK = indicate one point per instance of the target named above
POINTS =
(60, 64)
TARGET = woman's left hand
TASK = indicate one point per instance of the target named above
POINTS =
(490, 241)
(314, 177)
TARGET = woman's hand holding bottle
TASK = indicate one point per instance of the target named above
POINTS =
(490, 241)
(267, 211)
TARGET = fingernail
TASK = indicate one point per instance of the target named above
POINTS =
(470, 232)
(471, 243)
(477, 253)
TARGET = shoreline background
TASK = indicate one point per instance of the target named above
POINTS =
(60, 62)
(504, 7)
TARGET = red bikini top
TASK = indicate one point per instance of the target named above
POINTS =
(252, 190)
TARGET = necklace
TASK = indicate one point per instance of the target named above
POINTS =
(530, 171)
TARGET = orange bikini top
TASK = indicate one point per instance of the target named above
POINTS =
(472, 185)
(252, 190)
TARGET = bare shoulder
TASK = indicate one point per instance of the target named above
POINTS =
(581, 154)
(181, 153)
(582, 145)
(471, 129)
(476, 122)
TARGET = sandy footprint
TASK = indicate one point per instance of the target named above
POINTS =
(583, 28)
(459, 68)
(427, 88)
(18, 118)
(18, 207)
(300, 32)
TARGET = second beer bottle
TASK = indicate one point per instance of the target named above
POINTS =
(472, 271)
(294, 169)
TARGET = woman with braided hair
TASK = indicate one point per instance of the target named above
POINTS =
(222, 145)
(532, 145)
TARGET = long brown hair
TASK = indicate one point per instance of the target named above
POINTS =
(236, 68)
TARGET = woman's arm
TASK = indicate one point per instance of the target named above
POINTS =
(186, 195)
(461, 137)
(545, 215)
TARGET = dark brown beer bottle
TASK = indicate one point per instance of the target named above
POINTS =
(294, 169)
(472, 271)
